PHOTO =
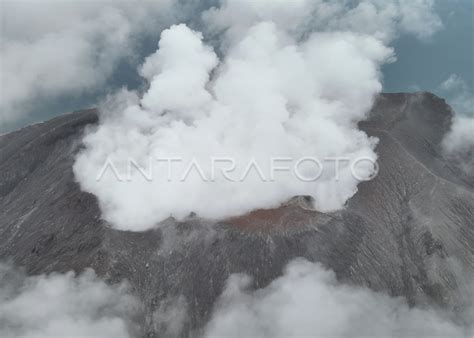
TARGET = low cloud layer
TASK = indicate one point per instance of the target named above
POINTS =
(307, 301)
(62, 305)
(286, 86)
(67, 47)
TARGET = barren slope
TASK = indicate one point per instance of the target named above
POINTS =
(408, 232)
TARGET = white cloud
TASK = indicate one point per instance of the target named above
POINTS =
(274, 93)
(307, 301)
(460, 137)
(63, 305)
(418, 17)
(71, 47)
(67, 47)
(458, 144)
(383, 19)
(459, 95)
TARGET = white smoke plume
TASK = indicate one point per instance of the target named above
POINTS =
(63, 305)
(307, 301)
(286, 86)
(66, 47)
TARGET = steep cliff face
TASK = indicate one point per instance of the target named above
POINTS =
(409, 232)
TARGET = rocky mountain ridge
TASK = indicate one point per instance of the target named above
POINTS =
(409, 232)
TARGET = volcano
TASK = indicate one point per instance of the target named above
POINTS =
(399, 234)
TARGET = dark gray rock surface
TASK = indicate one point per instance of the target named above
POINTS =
(409, 232)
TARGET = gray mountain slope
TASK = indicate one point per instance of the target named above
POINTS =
(409, 232)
